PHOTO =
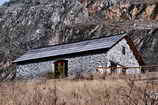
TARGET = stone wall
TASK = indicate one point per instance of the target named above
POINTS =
(34, 69)
(86, 64)
(115, 54)
(81, 64)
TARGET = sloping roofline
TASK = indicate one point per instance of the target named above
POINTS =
(72, 48)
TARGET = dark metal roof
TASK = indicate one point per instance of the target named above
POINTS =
(58, 50)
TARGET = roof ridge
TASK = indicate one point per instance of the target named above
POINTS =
(111, 35)
(78, 47)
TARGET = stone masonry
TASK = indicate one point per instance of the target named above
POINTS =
(85, 64)
(34, 69)
(115, 54)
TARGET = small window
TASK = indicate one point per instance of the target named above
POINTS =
(123, 50)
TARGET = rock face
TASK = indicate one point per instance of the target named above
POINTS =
(146, 41)
(27, 24)
(133, 12)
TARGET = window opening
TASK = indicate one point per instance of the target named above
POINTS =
(123, 50)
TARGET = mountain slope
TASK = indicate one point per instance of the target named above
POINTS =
(27, 24)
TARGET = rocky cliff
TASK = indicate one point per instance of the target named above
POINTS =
(27, 24)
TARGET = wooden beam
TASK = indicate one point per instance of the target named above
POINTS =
(140, 67)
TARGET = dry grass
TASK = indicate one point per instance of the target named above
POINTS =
(85, 92)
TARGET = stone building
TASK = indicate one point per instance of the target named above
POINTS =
(81, 57)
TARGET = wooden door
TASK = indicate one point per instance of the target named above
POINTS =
(61, 68)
